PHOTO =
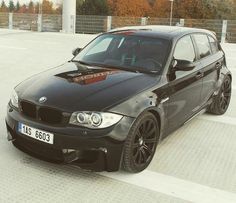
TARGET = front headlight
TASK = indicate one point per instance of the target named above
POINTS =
(14, 99)
(94, 120)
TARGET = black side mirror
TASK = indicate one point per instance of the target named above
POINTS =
(183, 65)
(76, 51)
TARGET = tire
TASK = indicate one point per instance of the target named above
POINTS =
(141, 143)
(221, 102)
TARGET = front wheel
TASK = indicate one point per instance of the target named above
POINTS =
(141, 143)
(221, 101)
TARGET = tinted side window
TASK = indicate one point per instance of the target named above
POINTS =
(213, 44)
(184, 49)
(203, 45)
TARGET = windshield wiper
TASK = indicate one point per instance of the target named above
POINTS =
(129, 69)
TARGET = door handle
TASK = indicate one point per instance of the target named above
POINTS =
(165, 100)
(199, 75)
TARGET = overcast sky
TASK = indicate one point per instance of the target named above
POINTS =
(27, 1)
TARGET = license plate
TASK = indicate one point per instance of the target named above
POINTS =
(37, 134)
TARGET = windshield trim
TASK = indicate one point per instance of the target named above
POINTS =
(100, 65)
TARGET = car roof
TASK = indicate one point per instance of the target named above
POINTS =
(167, 32)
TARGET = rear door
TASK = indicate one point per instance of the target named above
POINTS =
(184, 86)
(211, 59)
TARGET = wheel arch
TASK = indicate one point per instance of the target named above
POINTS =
(159, 115)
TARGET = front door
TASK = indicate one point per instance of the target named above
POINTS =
(185, 87)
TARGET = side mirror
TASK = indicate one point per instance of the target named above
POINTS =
(76, 51)
(183, 65)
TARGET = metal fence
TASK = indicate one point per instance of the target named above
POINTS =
(118, 21)
(231, 31)
(91, 24)
(213, 25)
(4, 17)
(51, 23)
(163, 21)
(33, 22)
(25, 21)
(97, 24)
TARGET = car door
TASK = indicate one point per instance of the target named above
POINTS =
(211, 59)
(184, 86)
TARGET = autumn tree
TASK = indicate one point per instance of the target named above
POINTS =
(23, 9)
(58, 9)
(31, 7)
(192, 9)
(161, 8)
(47, 7)
(3, 7)
(129, 7)
(222, 9)
(36, 7)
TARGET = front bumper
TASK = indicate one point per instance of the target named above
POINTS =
(96, 150)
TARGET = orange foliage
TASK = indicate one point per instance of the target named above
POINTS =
(161, 8)
(129, 7)
(47, 7)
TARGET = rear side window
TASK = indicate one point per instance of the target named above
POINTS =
(203, 45)
(184, 50)
(213, 44)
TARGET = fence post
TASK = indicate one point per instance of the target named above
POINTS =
(40, 23)
(143, 21)
(224, 31)
(109, 23)
(10, 23)
(181, 22)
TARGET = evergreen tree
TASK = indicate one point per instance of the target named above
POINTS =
(17, 6)
(91, 7)
(11, 6)
(31, 8)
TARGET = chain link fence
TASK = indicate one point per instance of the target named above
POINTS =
(89, 24)
(213, 25)
(124, 21)
(162, 21)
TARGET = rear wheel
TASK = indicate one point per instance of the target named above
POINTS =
(141, 143)
(222, 100)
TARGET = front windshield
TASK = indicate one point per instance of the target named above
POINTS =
(126, 51)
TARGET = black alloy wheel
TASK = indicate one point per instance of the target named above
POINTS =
(225, 95)
(222, 100)
(141, 143)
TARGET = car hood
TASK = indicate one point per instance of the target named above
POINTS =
(75, 87)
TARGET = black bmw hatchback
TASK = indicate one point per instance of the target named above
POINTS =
(110, 106)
